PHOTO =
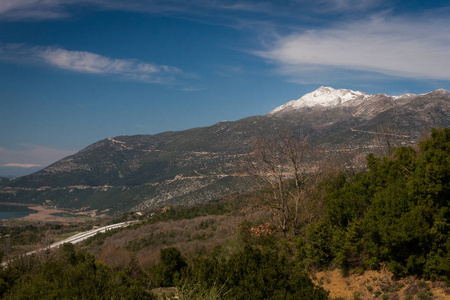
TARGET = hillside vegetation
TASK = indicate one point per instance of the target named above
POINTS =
(392, 217)
(397, 213)
(124, 173)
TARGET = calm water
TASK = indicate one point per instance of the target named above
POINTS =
(13, 211)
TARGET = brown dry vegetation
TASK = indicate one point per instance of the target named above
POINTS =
(379, 285)
(192, 237)
(45, 214)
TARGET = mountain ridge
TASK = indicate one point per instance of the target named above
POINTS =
(125, 173)
(330, 97)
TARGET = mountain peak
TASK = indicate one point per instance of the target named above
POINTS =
(324, 96)
(440, 91)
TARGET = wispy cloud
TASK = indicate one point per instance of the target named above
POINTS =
(412, 47)
(36, 10)
(32, 9)
(394, 46)
(15, 165)
(348, 5)
(87, 62)
(31, 156)
(12, 10)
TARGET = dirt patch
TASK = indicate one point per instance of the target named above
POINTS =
(46, 214)
(379, 285)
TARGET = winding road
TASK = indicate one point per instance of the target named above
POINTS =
(87, 234)
(80, 237)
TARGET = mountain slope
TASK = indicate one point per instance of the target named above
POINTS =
(197, 165)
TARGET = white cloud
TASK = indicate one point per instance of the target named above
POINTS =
(397, 47)
(31, 156)
(348, 5)
(31, 9)
(12, 10)
(415, 47)
(16, 165)
(87, 62)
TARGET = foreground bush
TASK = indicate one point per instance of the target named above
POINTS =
(398, 212)
(72, 275)
(255, 274)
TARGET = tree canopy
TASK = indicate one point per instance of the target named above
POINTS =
(397, 212)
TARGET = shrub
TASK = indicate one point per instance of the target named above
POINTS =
(256, 274)
(168, 271)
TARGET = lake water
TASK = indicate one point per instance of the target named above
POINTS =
(14, 211)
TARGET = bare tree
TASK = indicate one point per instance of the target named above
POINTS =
(279, 162)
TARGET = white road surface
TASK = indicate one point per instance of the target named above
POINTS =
(87, 234)
(81, 237)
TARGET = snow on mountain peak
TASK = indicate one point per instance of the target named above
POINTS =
(324, 96)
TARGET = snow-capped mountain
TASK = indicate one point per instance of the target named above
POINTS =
(325, 96)
(362, 104)
(185, 167)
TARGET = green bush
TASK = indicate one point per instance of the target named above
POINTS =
(168, 271)
(73, 275)
(397, 212)
(253, 273)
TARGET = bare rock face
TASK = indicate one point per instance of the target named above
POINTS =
(197, 165)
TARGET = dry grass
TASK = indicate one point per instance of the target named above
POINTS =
(165, 293)
(45, 214)
(192, 237)
(379, 285)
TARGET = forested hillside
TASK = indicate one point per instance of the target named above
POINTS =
(392, 216)
(397, 213)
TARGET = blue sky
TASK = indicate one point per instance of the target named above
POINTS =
(73, 72)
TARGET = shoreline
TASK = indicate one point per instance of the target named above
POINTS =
(44, 214)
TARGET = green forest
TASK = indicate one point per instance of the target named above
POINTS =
(394, 214)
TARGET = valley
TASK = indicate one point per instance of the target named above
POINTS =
(314, 202)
